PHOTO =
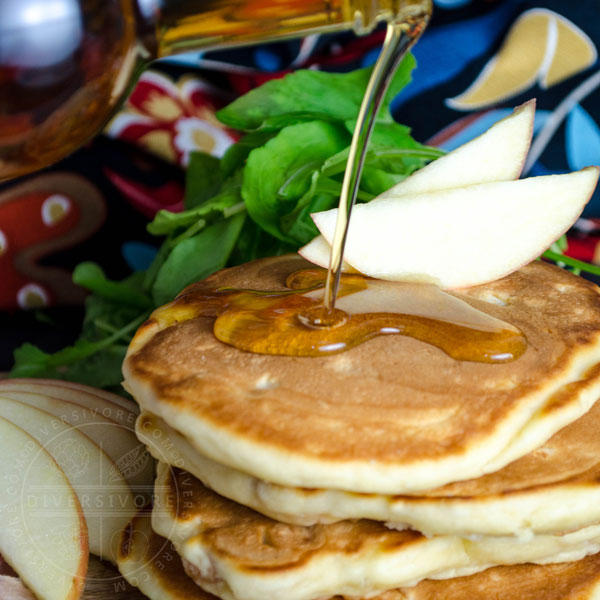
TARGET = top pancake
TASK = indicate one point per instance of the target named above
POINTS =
(392, 415)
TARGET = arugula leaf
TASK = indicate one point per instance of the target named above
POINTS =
(395, 160)
(104, 317)
(376, 181)
(92, 277)
(334, 188)
(290, 165)
(299, 224)
(269, 168)
(580, 265)
(196, 258)
(227, 202)
(149, 275)
(203, 179)
(235, 156)
(254, 242)
(308, 96)
(68, 363)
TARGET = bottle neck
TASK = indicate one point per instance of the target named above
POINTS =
(175, 26)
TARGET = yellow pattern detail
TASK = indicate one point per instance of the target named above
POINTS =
(513, 69)
(162, 107)
(540, 46)
(160, 143)
(203, 140)
(574, 53)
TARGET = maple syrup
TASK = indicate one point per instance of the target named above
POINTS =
(283, 322)
(305, 320)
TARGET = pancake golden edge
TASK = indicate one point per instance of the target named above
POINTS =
(553, 489)
(151, 562)
(238, 554)
(242, 410)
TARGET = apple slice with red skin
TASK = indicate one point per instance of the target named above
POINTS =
(43, 535)
(108, 508)
(129, 405)
(79, 395)
(498, 154)
(119, 442)
(466, 236)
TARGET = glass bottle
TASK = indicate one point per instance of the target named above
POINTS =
(65, 65)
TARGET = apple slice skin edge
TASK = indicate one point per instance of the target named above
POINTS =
(498, 154)
(362, 254)
(69, 388)
(8, 430)
(426, 180)
(46, 429)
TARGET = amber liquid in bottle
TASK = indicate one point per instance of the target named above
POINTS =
(305, 320)
(66, 65)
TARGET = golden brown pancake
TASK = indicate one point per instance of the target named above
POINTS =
(236, 553)
(150, 562)
(393, 415)
(578, 580)
(526, 497)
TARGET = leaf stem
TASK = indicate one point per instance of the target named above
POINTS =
(571, 262)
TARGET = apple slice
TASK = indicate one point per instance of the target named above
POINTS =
(498, 154)
(43, 535)
(129, 405)
(119, 442)
(107, 501)
(81, 396)
(463, 236)
(318, 252)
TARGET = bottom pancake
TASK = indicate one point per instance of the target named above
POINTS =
(150, 562)
(239, 554)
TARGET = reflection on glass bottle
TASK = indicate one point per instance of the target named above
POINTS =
(65, 65)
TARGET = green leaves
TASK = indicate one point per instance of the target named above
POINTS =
(255, 201)
(204, 178)
(196, 258)
(279, 174)
(308, 96)
(226, 202)
(91, 276)
(95, 363)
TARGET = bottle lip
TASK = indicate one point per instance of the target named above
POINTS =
(368, 15)
(147, 13)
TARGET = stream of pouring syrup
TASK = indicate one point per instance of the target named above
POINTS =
(304, 320)
(402, 33)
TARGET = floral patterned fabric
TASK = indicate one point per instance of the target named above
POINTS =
(476, 60)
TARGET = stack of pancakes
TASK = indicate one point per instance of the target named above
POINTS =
(373, 472)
